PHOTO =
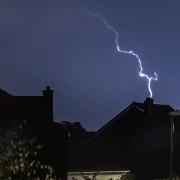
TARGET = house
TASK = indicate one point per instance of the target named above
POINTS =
(37, 111)
(136, 140)
(97, 175)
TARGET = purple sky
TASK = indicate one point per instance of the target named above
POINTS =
(52, 42)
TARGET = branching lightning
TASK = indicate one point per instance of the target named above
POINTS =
(130, 52)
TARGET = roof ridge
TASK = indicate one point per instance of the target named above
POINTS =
(4, 93)
(112, 120)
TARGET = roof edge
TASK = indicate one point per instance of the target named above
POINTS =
(112, 120)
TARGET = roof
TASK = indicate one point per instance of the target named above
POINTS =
(134, 139)
(4, 93)
(158, 112)
(36, 109)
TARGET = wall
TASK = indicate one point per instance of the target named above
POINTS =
(99, 175)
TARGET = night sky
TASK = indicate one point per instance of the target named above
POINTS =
(53, 42)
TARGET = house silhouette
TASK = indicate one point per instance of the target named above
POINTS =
(137, 139)
(37, 111)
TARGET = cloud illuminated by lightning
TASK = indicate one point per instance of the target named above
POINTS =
(130, 52)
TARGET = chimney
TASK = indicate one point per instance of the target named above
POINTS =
(148, 103)
(48, 92)
(48, 96)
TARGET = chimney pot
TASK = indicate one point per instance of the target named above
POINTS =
(48, 91)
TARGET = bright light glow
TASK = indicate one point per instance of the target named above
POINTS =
(129, 52)
(99, 175)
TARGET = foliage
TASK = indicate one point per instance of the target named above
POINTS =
(127, 176)
(88, 178)
(19, 158)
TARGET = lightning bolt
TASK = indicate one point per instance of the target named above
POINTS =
(129, 52)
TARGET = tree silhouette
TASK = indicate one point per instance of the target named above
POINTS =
(19, 158)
